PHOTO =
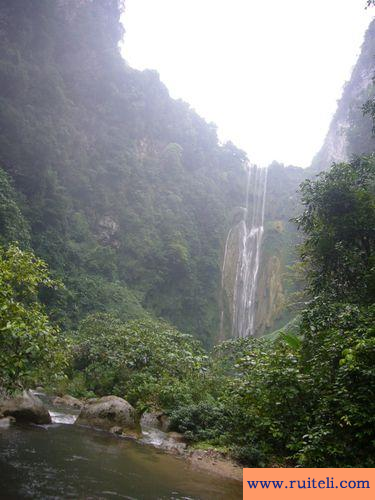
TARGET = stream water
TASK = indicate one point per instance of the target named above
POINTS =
(62, 461)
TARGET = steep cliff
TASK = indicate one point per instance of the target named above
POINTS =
(276, 282)
(349, 133)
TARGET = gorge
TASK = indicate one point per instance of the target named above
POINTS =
(151, 238)
(141, 258)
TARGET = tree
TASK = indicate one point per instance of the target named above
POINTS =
(339, 225)
(338, 348)
(144, 361)
(31, 348)
(12, 223)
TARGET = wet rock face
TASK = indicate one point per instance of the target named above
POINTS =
(26, 408)
(271, 296)
(107, 413)
(107, 229)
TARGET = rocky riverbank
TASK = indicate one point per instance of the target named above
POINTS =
(115, 415)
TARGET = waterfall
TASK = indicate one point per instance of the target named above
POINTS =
(250, 231)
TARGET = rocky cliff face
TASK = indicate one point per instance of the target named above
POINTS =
(127, 193)
(350, 132)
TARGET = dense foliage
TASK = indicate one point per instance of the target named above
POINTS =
(148, 362)
(339, 251)
(12, 223)
(338, 361)
(31, 348)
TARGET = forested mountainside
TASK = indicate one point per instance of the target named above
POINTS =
(125, 192)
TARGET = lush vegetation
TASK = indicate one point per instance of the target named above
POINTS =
(148, 362)
(305, 399)
(338, 220)
(13, 226)
(32, 349)
(338, 327)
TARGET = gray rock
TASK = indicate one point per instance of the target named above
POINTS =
(26, 408)
(68, 401)
(155, 420)
(6, 421)
(106, 413)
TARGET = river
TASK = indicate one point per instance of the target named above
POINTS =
(62, 461)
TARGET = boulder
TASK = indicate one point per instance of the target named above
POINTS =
(26, 408)
(155, 420)
(106, 413)
(68, 401)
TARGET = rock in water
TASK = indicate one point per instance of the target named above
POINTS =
(26, 408)
(6, 422)
(106, 413)
(68, 401)
(155, 420)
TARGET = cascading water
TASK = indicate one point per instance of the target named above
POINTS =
(249, 237)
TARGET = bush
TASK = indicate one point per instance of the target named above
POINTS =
(203, 421)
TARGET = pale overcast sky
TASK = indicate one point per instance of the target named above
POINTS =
(267, 72)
